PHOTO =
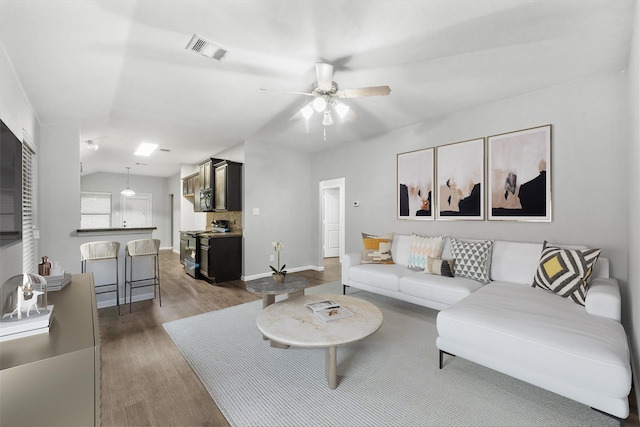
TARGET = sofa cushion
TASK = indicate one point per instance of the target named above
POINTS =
(440, 267)
(565, 272)
(379, 275)
(472, 259)
(442, 289)
(377, 248)
(541, 332)
(515, 262)
(423, 247)
(401, 249)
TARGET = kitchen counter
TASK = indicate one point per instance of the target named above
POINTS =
(215, 234)
(115, 230)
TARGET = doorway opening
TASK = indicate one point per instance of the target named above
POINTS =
(332, 207)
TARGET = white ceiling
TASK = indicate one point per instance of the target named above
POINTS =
(122, 70)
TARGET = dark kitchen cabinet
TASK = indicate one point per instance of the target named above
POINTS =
(190, 184)
(220, 258)
(228, 186)
(206, 175)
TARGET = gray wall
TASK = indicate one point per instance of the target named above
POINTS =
(588, 161)
(158, 187)
(17, 114)
(633, 302)
(277, 181)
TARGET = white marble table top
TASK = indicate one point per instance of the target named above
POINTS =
(290, 322)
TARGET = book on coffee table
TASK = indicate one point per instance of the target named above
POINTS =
(328, 310)
(322, 305)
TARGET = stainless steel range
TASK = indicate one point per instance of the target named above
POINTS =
(189, 252)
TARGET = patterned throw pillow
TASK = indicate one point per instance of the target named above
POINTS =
(441, 267)
(565, 271)
(423, 247)
(377, 249)
(472, 259)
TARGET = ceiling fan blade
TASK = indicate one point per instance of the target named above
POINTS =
(364, 91)
(351, 116)
(297, 116)
(307, 109)
(324, 73)
(287, 91)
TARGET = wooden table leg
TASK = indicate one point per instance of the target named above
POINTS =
(331, 362)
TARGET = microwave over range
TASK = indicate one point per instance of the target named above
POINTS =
(206, 200)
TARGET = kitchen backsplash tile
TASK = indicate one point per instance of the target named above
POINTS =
(234, 218)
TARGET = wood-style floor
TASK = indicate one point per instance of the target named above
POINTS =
(145, 380)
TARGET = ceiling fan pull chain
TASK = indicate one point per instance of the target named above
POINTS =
(325, 134)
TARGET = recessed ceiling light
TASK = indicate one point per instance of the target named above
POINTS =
(145, 149)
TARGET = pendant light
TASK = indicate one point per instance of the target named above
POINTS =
(128, 192)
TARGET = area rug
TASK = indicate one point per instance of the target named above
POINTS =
(390, 378)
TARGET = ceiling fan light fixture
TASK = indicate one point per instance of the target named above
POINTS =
(327, 120)
(341, 109)
(319, 104)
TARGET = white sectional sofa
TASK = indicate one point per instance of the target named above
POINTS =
(580, 352)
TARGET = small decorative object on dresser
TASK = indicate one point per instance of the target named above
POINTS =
(24, 310)
(279, 273)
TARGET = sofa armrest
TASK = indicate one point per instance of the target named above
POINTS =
(603, 298)
(348, 261)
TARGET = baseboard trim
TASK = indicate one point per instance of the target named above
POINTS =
(136, 298)
(289, 270)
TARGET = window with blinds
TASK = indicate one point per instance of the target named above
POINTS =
(95, 210)
(28, 222)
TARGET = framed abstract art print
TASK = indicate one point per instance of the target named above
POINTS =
(415, 184)
(519, 175)
(460, 180)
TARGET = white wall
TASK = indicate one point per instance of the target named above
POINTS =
(18, 115)
(175, 188)
(189, 220)
(60, 194)
(277, 182)
(632, 303)
(156, 186)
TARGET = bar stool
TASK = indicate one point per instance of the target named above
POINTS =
(102, 251)
(141, 248)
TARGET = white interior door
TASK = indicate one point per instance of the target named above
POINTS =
(331, 222)
(136, 210)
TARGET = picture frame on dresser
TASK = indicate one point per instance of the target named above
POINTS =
(460, 180)
(519, 175)
(415, 184)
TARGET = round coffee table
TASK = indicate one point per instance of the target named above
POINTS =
(290, 322)
(293, 285)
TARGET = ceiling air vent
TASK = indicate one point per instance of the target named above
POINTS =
(206, 48)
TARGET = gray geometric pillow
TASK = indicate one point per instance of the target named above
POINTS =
(472, 259)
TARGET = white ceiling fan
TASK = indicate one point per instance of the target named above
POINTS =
(326, 97)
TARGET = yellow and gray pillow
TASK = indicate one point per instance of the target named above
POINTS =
(566, 272)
